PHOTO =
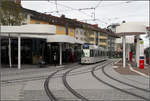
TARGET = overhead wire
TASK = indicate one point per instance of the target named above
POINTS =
(56, 6)
(80, 10)
(71, 8)
(98, 4)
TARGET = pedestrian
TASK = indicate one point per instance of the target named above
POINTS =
(54, 58)
(72, 57)
(41, 61)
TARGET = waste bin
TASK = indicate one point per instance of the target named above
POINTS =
(141, 62)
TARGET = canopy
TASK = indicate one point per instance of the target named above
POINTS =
(33, 29)
(131, 28)
(63, 39)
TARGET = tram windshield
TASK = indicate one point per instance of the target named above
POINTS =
(85, 53)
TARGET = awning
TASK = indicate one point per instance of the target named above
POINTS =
(63, 39)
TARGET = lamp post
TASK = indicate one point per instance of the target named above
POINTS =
(124, 50)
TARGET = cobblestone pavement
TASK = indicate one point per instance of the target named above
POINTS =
(83, 82)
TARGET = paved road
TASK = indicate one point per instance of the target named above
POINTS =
(82, 81)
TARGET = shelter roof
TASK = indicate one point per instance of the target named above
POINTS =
(63, 39)
(131, 28)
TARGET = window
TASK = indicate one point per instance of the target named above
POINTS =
(91, 53)
(60, 28)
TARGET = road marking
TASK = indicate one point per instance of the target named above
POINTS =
(138, 72)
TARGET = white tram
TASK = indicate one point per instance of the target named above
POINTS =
(92, 54)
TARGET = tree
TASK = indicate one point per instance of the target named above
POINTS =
(11, 14)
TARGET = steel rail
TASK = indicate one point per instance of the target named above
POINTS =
(75, 93)
(46, 86)
(122, 90)
(64, 78)
(111, 77)
(48, 91)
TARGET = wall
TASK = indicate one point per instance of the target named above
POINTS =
(60, 30)
(80, 34)
(33, 21)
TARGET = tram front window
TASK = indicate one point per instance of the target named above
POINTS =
(85, 53)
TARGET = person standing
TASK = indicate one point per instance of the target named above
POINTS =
(54, 58)
(72, 57)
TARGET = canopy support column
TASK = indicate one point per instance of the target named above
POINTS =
(9, 52)
(137, 50)
(60, 47)
(19, 51)
(124, 50)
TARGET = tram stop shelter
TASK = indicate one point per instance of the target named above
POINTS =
(30, 30)
(128, 29)
(62, 39)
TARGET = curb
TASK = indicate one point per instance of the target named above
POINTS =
(138, 72)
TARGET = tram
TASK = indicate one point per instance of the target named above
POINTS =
(92, 54)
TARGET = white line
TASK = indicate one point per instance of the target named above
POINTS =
(117, 61)
(138, 72)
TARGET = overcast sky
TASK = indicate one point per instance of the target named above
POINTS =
(106, 12)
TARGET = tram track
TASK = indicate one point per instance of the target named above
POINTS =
(111, 77)
(49, 92)
(46, 87)
(117, 88)
(64, 76)
(75, 93)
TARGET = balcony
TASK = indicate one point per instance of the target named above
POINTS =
(92, 36)
(102, 43)
(102, 37)
(92, 42)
